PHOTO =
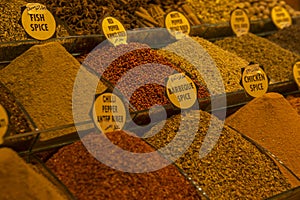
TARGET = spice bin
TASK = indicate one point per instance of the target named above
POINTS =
(225, 163)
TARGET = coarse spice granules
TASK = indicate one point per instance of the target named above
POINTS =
(227, 63)
(288, 38)
(88, 178)
(20, 181)
(273, 123)
(140, 74)
(277, 62)
(42, 80)
(233, 169)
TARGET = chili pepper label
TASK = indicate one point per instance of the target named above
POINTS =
(239, 22)
(3, 123)
(280, 17)
(177, 25)
(114, 31)
(38, 22)
(181, 91)
(109, 113)
(296, 73)
(254, 80)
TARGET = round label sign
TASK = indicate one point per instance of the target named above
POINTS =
(239, 22)
(177, 24)
(114, 31)
(109, 113)
(38, 22)
(255, 80)
(3, 123)
(280, 17)
(296, 73)
(181, 91)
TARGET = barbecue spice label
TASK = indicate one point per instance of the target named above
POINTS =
(3, 123)
(254, 80)
(181, 91)
(239, 22)
(38, 22)
(280, 17)
(109, 113)
(114, 31)
(177, 25)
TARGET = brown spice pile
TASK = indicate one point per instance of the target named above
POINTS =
(273, 123)
(42, 80)
(87, 178)
(20, 181)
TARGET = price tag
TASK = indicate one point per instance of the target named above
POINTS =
(296, 73)
(181, 91)
(255, 80)
(239, 22)
(109, 113)
(38, 22)
(177, 25)
(114, 31)
(3, 123)
(280, 17)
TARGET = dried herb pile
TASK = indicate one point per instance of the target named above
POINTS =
(288, 38)
(276, 61)
(88, 178)
(233, 169)
(42, 80)
(273, 123)
(20, 181)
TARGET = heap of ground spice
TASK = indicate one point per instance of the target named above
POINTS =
(20, 181)
(42, 80)
(88, 178)
(288, 38)
(233, 169)
(276, 61)
(274, 124)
